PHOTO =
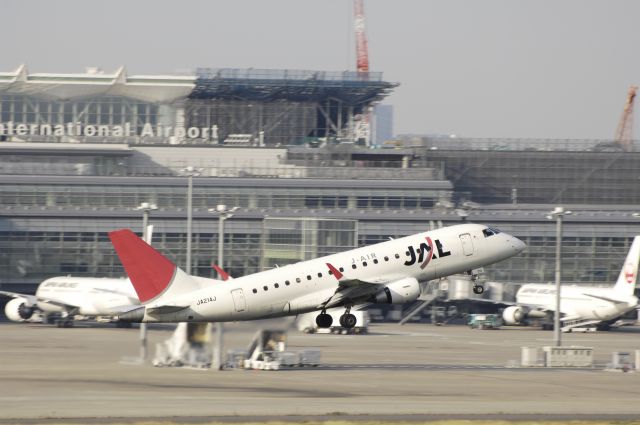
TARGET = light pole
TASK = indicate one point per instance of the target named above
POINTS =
(558, 213)
(223, 214)
(190, 172)
(146, 208)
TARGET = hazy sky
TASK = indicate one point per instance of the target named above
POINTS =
(478, 68)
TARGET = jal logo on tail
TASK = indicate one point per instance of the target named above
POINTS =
(629, 274)
(425, 253)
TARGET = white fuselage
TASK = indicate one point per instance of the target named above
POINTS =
(575, 301)
(305, 286)
(92, 296)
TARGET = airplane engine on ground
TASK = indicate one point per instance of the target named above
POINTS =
(18, 310)
(514, 315)
(398, 292)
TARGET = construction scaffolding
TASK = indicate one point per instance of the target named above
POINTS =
(280, 107)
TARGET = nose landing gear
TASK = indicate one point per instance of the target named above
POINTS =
(475, 275)
(478, 289)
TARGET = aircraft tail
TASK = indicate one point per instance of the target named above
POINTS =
(154, 277)
(626, 283)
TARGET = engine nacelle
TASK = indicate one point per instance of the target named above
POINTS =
(19, 310)
(514, 315)
(398, 292)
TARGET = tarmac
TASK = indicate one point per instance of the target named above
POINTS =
(411, 372)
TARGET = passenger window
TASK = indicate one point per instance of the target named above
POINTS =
(364, 263)
(319, 274)
(297, 279)
(341, 269)
(375, 261)
(276, 285)
(386, 258)
(308, 277)
(353, 266)
(255, 291)
(266, 288)
(397, 256)
(286, 282)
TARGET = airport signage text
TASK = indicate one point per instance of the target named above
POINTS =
(77, 129)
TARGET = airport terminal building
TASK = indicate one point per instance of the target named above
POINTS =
(80, 152)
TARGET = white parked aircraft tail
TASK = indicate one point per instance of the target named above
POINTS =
(154, 277)
(626, 283)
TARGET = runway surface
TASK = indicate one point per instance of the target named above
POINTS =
(414, 371)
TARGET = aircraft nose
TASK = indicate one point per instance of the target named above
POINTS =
(517, 244)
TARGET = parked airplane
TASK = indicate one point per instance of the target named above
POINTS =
(69, 296)
(387, 272)
(580, 305)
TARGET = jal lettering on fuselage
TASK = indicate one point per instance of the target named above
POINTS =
(425, 248)
(61, 284)
(371, 256)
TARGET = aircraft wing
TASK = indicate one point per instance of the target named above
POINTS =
(133, 300)
(352, 288)
(611, 300)
(346, 283)
(33, 299)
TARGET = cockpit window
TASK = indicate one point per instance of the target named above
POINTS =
(490, 232)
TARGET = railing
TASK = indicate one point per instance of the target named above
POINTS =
(286, 74)
(471, 144)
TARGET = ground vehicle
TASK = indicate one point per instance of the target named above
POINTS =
(484, 321)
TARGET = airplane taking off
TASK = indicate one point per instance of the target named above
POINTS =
(68, 296)
(388, 272)
(580, 306)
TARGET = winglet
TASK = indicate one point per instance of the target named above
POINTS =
(221, 273)
(335, 271)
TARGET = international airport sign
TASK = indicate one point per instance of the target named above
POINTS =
(77, 129)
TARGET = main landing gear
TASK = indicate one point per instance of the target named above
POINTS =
(347, 320)
(324, 320)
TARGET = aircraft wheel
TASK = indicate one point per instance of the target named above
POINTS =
(324, 320)
(478, 289)
(348, 321)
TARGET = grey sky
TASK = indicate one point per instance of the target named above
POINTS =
(495, 68)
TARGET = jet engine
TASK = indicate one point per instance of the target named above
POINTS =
(19, 310)
(514, 315)
(398, 292)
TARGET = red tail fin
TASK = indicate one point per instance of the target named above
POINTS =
(149, 271)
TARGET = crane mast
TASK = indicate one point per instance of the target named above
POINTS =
(362, 48)
(624, 133)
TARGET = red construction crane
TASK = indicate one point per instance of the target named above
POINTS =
(362, 49)
(624, 134)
